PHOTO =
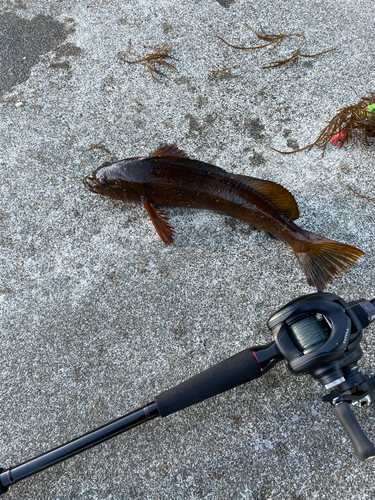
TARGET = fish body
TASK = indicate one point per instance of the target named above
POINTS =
(170, 178)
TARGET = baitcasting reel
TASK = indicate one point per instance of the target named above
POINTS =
(318, 334)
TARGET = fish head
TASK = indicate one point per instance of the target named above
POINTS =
(106, 181)
(97, 185)
(339, 139)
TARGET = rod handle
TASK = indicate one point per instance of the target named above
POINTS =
(230, 373)
(363, 447)
(3, 489)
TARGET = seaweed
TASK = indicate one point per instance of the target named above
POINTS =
(275, 41)
(355, 123)
(138, 103)
(95, 146)
(224, 70)
(158, 57)
(361, 195)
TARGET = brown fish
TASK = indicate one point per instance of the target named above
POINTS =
(170, 178)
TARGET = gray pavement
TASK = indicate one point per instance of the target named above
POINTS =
(98, 316)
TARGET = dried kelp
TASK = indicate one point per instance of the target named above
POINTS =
(224, 70)
(138, 103)
(95, 146)
(274, 41)
(356, 123)
(361, 195)
(151, 61)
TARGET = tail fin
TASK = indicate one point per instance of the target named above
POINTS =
(322, 260)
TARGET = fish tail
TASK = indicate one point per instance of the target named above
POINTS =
(323, 260)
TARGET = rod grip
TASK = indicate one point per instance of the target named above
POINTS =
(234, 371)
(363, 447)
(3, 489)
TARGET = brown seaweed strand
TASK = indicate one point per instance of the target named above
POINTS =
(138, 103)
(292, 60)
(318, 54)
(224, 70)
(158, 57)
(95, 146)
(245, 48)
(275, 40)
(361, 195)
(266, 37)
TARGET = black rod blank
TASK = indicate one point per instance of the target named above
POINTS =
(241, 368)
(67, 450)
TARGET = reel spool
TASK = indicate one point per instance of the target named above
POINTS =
(309, 333)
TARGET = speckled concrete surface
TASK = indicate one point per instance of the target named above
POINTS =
(98, 316)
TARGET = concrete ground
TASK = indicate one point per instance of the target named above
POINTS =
(98, 316)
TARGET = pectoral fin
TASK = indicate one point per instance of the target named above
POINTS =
(272, 236)
(160, 221)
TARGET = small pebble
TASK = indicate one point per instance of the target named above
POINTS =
(18, 104)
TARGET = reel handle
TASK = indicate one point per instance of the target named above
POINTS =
(363, 448)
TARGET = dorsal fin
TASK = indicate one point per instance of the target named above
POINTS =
(276, 194)
(170, 151)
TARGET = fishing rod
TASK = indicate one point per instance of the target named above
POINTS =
(317, 334)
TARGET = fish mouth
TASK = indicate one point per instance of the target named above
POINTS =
(88, 185)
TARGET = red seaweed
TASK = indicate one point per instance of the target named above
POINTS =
(355, 123)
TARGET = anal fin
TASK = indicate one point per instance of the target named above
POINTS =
(160, 222)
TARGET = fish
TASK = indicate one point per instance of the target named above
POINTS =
(169, 178)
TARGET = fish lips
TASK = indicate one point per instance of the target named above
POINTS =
(87, 183)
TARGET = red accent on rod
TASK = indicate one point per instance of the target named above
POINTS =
(257, 360)
(9, 478)
(148, 413)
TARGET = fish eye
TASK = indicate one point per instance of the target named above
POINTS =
(103, 182)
